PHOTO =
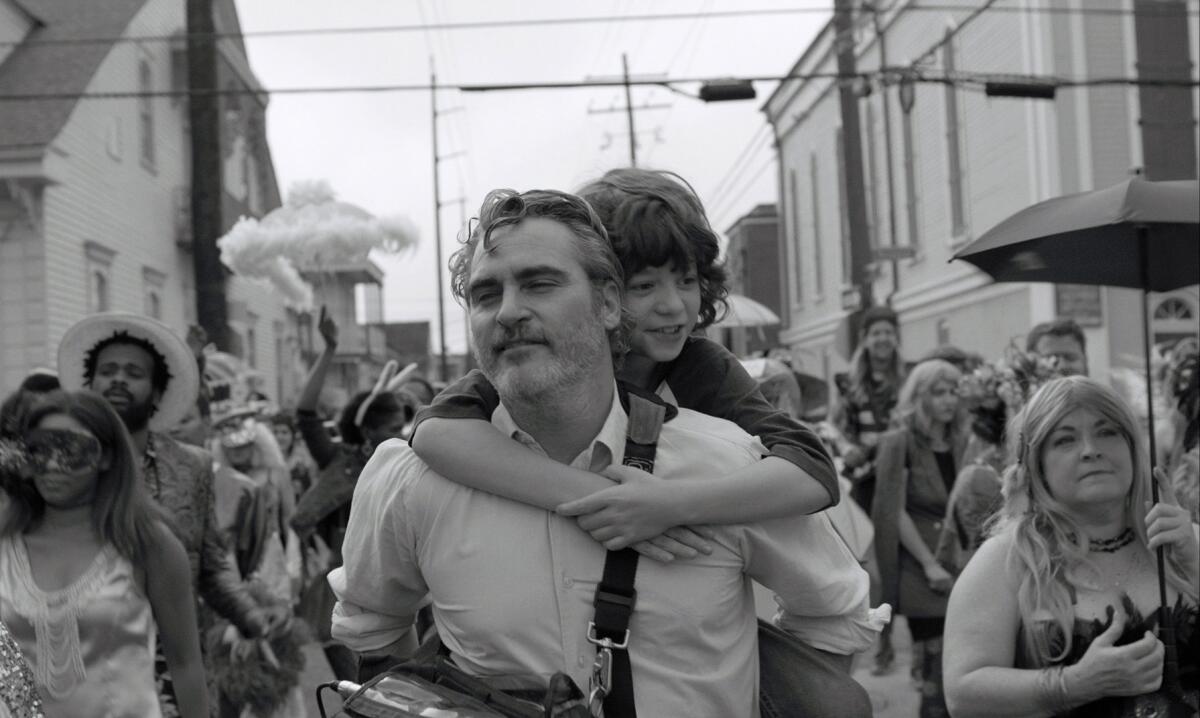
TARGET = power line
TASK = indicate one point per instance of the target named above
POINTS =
(423, 27)
(731, 204)
(542, 22)
(737, 166)
(957, 78)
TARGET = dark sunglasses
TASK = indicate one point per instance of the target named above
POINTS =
(68, 450)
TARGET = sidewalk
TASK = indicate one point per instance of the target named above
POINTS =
(316, 672)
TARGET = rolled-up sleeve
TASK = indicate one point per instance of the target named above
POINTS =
(822, 591)
(379, 587)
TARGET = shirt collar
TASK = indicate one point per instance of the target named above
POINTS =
(608, 446)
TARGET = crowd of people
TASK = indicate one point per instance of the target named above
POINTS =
(587, 514)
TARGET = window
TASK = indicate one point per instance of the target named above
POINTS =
(814, 180)
(910, 179)
(795, 202)
(1173, 308)
(145, 115)
(954, 179)
(99, 292)
(1174, 319)
(153, 282)
(112, 138)
(943, 332)
(843, 209)
(98, 260)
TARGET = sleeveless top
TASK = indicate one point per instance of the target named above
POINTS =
(91, 644)
(1167, 701)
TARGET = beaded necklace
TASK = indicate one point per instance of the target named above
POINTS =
(1112, 545)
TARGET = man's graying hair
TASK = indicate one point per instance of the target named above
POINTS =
(503, 207)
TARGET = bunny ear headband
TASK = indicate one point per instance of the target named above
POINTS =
(389, 380)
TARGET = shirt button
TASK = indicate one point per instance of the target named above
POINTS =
(568, 582)
(582, 661)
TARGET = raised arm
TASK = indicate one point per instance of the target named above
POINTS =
(318, 443)
(168, 588)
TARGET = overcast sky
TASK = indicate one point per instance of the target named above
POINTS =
(375, 149)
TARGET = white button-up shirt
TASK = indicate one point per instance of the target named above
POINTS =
(512, 585)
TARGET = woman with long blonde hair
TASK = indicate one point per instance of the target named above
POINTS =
(916, 465)
(1055, 614)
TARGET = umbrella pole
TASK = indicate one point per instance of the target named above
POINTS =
(1166, 629)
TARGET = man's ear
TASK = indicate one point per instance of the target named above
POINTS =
(610, 305)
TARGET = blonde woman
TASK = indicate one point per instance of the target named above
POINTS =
(915, 467)
(1056, 613)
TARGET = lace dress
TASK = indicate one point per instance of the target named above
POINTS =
(1167, 702)
(91, 644)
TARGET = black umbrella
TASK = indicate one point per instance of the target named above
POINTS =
(1139, 234)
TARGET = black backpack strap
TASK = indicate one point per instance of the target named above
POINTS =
(612, 675)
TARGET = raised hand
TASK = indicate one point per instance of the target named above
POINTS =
(1169, 524)
(328, 328)
(1109, 670)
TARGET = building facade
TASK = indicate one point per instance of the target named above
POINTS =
(960, 163)
(95, 190)
(752, 261)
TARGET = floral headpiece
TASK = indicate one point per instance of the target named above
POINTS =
(14, 459)
(1007, 382)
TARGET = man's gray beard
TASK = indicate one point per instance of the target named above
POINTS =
(577, 355)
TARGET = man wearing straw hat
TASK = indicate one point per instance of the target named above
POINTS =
(150, 377)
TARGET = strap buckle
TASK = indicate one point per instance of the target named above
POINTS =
(606, 643)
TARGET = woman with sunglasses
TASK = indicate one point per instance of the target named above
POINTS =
(90, 575)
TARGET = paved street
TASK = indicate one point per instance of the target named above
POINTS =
(893, 694)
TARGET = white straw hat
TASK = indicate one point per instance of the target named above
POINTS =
(183, 376)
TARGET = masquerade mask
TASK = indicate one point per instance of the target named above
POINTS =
(68, 450)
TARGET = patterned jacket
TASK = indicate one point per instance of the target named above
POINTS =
(180, 478)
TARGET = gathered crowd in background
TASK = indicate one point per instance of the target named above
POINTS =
(171, 538)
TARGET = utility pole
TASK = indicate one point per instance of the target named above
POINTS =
(854, 191)
(886, 95)
(204, 117)
(629, 108)
(468, 358)
(629, 111)
(437, 227)
(1167, 120)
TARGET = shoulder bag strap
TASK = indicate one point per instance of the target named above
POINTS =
(612, 676)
